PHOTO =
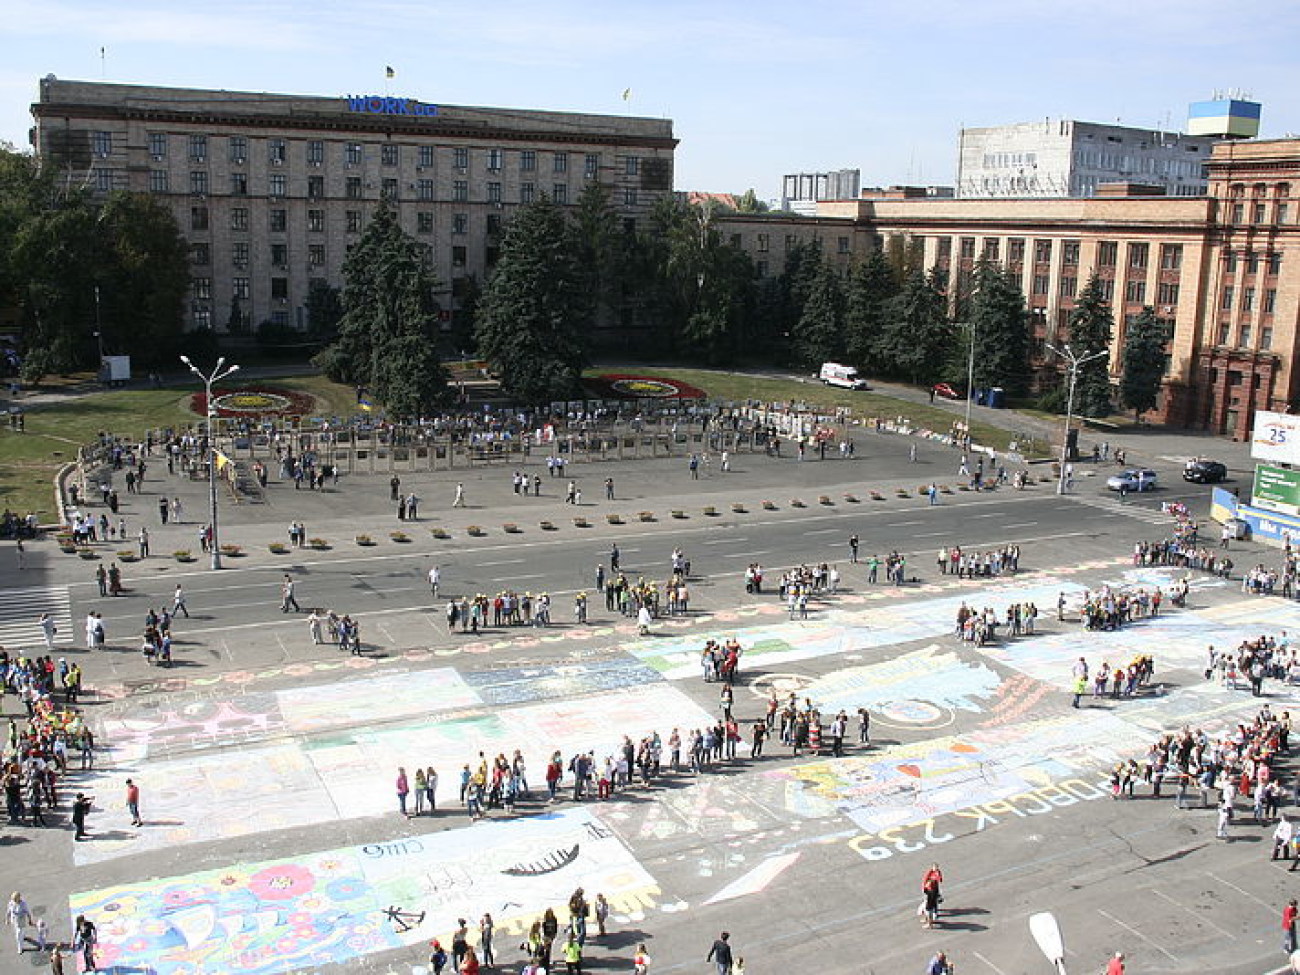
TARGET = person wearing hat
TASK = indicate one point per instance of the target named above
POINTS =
(1116, 965)
(437, 957)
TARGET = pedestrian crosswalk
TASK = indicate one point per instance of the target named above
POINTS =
(20, 615)
(1130, 508)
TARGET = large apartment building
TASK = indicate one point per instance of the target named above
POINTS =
(270, 190)
(1067, 158)
(1223, 269)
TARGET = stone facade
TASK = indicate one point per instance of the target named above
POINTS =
(1223, 269)
(270, 190)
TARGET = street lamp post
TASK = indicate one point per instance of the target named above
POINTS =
(970, 370)
(219, 372)
(1076, 362)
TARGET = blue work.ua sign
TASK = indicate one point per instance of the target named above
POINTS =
(383, 105)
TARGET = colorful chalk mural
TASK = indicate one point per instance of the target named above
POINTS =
(285, 915)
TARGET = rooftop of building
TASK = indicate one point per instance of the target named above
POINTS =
(60, 97)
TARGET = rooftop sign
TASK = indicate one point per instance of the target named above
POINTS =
(384, 105)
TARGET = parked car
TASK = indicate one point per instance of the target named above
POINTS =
(946, 391)
(1137, 479)
(1202, 471)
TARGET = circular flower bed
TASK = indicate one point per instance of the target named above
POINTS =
(254, 402)
(623, 386)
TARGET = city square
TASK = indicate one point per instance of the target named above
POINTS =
(272, 838)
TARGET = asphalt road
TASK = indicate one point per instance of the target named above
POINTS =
(780, 851)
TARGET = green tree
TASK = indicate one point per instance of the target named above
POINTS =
(145, 276)
(869, 305)
(748, 202)
(1144, 361)
(528, 319)
(1001, 328)
(324, 308)
(598, 246)
(819, 336)
(699, 285)
(387, 337)
(60, 248)
(918, 333)
(1091, 329)
(905, 256)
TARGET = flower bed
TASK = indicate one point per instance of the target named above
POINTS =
(254, 401)
(626, 386)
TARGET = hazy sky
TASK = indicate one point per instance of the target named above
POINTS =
(755, 89)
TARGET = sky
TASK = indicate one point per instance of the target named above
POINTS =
(755, 89)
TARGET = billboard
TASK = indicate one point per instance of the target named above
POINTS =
(1276, 489)
(1276, 438)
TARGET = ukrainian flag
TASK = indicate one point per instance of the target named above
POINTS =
(365, 404)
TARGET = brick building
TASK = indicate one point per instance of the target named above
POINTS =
(270, 190)
(1223, 269)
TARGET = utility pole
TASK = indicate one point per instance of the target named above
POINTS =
(209, 380)
(1075, 362)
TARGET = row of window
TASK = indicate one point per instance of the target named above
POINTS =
(1258, 190)
(354, 154)
(763, 243)
(1139, 254)
(1258, 213)
(1228, 299)
(277, 186)
(1251, 261)
(1245, 336)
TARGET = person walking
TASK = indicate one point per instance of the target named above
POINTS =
(133, 803)
(853, 548)
(459, 500)
(435, 577)
(85, 937)
(48, 630)
(609, 489)
(143, 542)
(939, 965)
(286, 596)
(178, 602)
(1116, 964)
(19, 916)
(1288, 926)
(720, 953)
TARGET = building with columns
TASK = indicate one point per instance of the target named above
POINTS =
(270, 190)
(1223, 269)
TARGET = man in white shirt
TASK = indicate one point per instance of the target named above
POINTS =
(435, 576)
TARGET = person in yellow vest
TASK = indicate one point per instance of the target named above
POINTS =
(572, 955)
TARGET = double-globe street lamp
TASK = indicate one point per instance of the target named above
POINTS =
(219, 372)
(1076, 363)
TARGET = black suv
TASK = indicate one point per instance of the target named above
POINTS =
(1201, 471)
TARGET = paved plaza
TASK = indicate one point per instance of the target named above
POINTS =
(272, 840)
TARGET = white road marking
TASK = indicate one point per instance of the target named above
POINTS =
(1021, 524)
(903, 524)
(1137, 934)
(505, 562)
(1196, 914)
(989, 963)
(1244, 893)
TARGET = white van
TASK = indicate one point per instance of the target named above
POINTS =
(834, 374)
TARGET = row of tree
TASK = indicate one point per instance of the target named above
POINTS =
(71, 267)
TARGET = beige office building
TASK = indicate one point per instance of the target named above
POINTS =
(1222, 269)
(271, 190)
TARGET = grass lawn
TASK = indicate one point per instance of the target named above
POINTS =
(54, 431)
(739, 387)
